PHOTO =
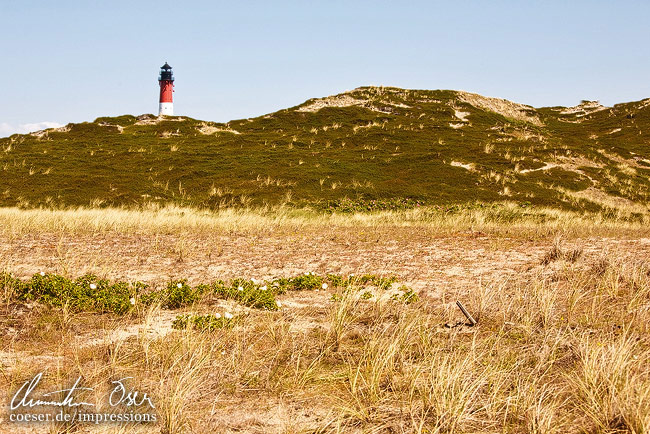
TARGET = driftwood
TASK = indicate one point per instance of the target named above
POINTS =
(472, 321)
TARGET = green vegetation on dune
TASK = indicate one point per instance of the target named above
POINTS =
(90, 293)
(392, 146)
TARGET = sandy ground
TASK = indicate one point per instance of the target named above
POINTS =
(425, 261)
(433, 265)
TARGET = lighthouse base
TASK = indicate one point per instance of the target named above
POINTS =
(166, 109)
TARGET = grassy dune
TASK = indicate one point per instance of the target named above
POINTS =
(372, 147)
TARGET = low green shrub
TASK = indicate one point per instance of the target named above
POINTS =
(87, 293)
(179, 293)
(90, 293)
(175, 295)
(204, 323)
(407, 296)
(246, 292)
(378, 281)
(307, 281)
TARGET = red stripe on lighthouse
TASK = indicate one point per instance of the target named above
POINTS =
(166, 89)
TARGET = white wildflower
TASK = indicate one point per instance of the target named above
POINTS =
(132, 300)
(217, 315)
(254, 281)
(324, 286)
(93, 286)
(42, 273)
(278, 304)
(227, 315)
(307, 273)
(263, 288)
(179, 285)
(240, 288)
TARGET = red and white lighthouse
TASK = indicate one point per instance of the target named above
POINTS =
(166, 81)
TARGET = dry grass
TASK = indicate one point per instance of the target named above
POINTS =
(560, 347)
(538, 361)
(508, 218)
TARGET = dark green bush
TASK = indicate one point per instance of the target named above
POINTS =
(179, 293)
(307, 281)
(87, 293)
(247, 293)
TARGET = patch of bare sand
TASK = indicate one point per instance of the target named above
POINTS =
(342, 100)
(9, 360)
(207, 129)
(274, 417)
(347, 100)
(584, 108)
(156, 326)
(546, 166)
(503, 107)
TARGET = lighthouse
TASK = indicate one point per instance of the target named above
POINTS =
(166, 81)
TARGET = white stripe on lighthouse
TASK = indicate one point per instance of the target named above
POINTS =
(166, 109)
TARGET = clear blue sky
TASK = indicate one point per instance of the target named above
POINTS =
(71, 61)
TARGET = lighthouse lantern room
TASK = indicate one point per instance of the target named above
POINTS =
(166, 81)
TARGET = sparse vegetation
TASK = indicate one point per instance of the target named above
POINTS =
(204, 323)
(560, 352)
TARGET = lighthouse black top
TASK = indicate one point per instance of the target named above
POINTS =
(166, 73)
